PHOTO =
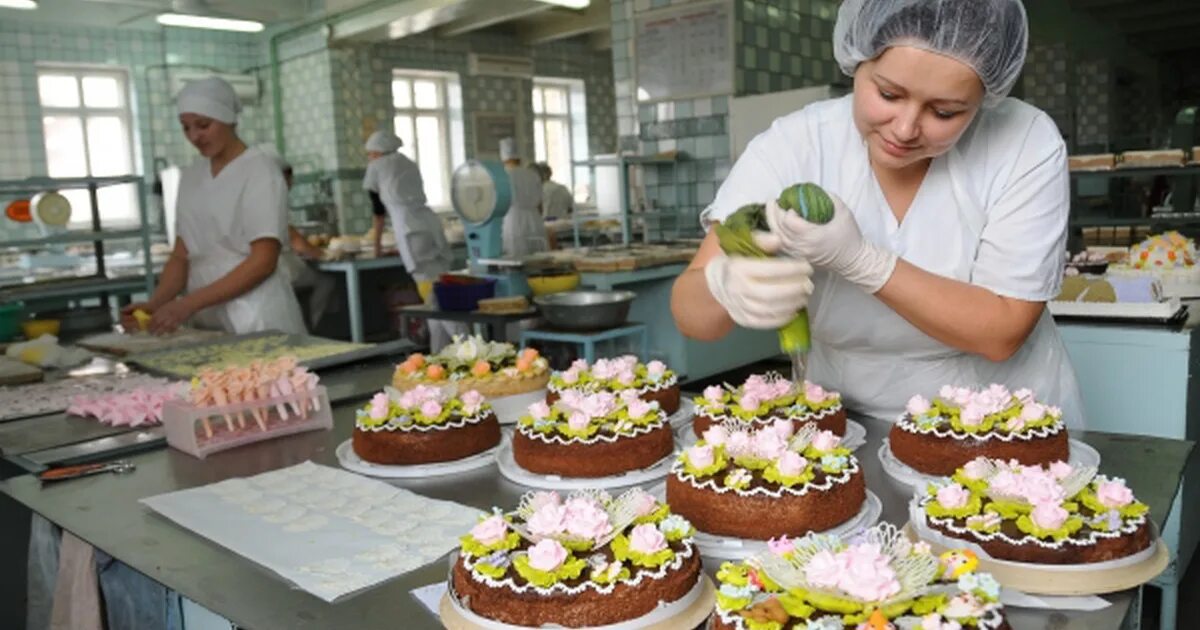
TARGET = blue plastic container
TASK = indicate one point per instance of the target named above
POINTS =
(463, 296)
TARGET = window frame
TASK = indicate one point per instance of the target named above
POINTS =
(540, 118)
(444, 112)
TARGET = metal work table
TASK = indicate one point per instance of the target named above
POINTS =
(493, 321)
(104, 511)
(352, 268)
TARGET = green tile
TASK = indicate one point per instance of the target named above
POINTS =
(773, 63)
(720, 105)
(749, 57)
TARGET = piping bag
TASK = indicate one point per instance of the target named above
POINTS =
(736, 236)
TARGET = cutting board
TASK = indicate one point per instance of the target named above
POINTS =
(122, 344)
(14, 372)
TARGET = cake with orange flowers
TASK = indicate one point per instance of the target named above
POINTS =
(493, 369)
(424, 425)
(765, 398)
(595, 434)
(766, 483)
(586, 560)
(1056, 514)
(936, 437)
(1170, 258)
(652, 381)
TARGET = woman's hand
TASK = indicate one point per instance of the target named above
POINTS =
(170, 316)
(838, 246)
(759, 292)
(130, 322)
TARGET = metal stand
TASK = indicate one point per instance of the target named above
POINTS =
(589, 339)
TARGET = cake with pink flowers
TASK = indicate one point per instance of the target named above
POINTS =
(595, 434)
(1055, 514)
(424, 425)
(493, 369)
(588, 560)
(765, 398)
(653, 381)
(877, 580)
(936, 437)
(766, 483)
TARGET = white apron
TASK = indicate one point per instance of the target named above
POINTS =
(524, 230)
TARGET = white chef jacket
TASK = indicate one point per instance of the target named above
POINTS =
(992, 211)
(556, 200)
(420, 236)
(217, 218)
(524, 231)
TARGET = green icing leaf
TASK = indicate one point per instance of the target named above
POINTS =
(661, 512)
(620, 549)
(732, 573)
(475, 548)
(793, 603)
(1070, 526)
(718, 464)
(752, 463)
(725, 602)
(603, 578)
(493, 572)
(772, 474)
(937, 510)
(1008, 510)
(832, 603)
(753, 624)
(928, 604)
(570, 569)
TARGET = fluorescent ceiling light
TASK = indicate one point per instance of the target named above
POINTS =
(18, 4)
(570, 4)
(202, 21)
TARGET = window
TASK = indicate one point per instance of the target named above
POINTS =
(560, 131)
(428, 119)
(88, 131)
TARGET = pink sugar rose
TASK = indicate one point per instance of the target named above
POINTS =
(700, 456)
(1025, 395)
(815, 393)
(626, 378)
(739, 443)
(791, 464)
(1005, 483)
(578, 421)
(646, 539)
(571, 376)
(579, 365)
(547, 521)
(768, 444)
(1114, 494)
(963, 395)
(825, 441)
(999, 391)
(547, 555)
(953, 496)
(1014, 424)
(472, 401)
(866, 574)
(1040, 487)
(539, 410)
(1048, 515)
(542, 498)
(628, 395)
(716, 435)
(644, 504)
(781, 546)
(971, 415)
(976, 468)
(1061, 470)
(917, 406)
(784, 428)
(639, 408)
(1032, 412)
(714, 393)
(490, 530)
(431, 408)
(587, 520)
(823, 570)
(409, 399)
(1054, 412)
(599, 405)
(379, 406)
(946, 393)
(656, 368)
(750, 402)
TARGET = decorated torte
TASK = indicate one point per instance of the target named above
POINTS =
(765, 483)
(1170, 258)
(592, 435)
(493, 369)
(588, 560)
(961, 423)
(765, 398)
(652, 381)
(424, 425)
(1056, 514)
(879, 580)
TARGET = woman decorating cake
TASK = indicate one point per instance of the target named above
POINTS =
(949, 225)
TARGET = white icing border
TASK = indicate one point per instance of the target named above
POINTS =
(711, 484)
(557, 438)
(906, 424)
(810, 416)
(458, 423)
(1127, 528)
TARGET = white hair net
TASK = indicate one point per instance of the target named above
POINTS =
(211, 97)
(990, 36)
(384, 142)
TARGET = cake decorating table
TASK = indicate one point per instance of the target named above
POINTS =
(105, 512)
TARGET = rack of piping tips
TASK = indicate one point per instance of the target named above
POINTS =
(232, 406)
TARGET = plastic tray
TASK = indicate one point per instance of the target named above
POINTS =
(200, 431)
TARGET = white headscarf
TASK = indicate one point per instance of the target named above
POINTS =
(211, 97)
(508, 149)
(384, 142)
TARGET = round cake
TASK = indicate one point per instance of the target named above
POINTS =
(1056, 514)
(592, 435)
(652, 381)
(590, 560)
(1170, 258)
(960, 424)
(493, 369)
(766, 483)
(765, 398)
(878, 580)
(424, 425)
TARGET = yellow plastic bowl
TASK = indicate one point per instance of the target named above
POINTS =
(34, 328)
(544, 285)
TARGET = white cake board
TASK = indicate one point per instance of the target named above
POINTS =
(856, 436)
(509, 409)
(683, 416)
(1080, 455)
(729, 548)
(510, 469)
(352, 462)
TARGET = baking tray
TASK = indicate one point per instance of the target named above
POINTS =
(122, 344)
(1167, 312)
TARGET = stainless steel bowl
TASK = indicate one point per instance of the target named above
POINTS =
(585, 310)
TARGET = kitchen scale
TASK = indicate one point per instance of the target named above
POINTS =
(481, 193)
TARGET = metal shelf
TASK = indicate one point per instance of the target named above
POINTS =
(72, 237)
(34, 185)
(74, 288)
(1189, 169)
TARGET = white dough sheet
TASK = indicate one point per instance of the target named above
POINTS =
(329, 532)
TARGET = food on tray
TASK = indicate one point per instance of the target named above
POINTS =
(255, 389)
(1169, 257)
(1056, 514)
(588, 560)
(491, 368)
(878, 580)
(938, 436)
(424, 425)
(142, 405)
(1083, 289)
(1089, 262)
(652, 381)
(766, 483)
(765, 398)
(1157, 157)
(504, 305)
(189, 361)
(592, 435)
(1098, 162)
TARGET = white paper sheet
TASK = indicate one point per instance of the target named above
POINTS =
(330, 532)
(430, 596)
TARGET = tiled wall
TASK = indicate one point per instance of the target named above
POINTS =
(1047, 83)
(1095, 85)
(784, 45)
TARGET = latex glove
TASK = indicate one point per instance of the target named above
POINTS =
(761, 293)
(838, 246)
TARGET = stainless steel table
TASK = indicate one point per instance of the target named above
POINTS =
(105, 512)
(351, 268)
